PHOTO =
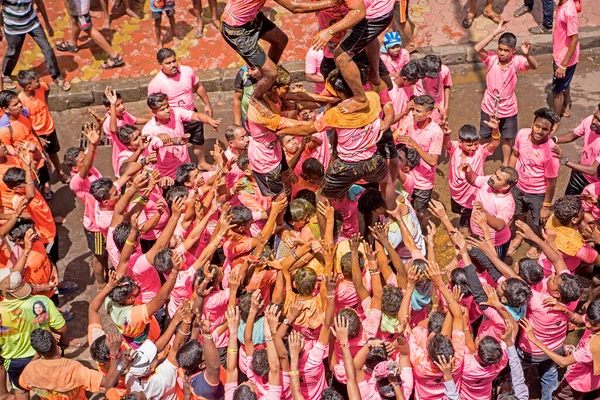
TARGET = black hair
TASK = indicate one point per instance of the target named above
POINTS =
(566, 208)
(426, 101)
(313, 169)
(593, 312)
(412, 156)
(99, 350)
(21, 227)
(513, 176)
(241, 215)
(189, 356)
(459, 278)
(245, 303)
(376, 355)
(105, 101)
(14, 177)
(260, 363)
(156, 100)
(436, 322)
(338, 223)
(175, 193)
(331, 394)
(125, 132)
(340, 85)
(101, 188)
(244, 392)
(298, 210)
(432, 65)
(391, 300)
(164, 53)
(71, 155)
(42, 341)
(182, 175)
(346, 264)
(548, 115)
(121, 233)
(489, 350)
(307, 195)
(420, 264)
(305, 281)
(25, 77)
(412, 71)
(202, 276)
(508, 39)
(385, 388)
(354, 323)
(440, 345)
(243, 161)
(569, 288)
(517, 292)
(370, 200)
(530, 271)
(163, 261)
(468, 133)
(283, 77)
(6, 96)
(120, 293)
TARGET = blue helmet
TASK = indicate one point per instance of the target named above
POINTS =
(392, 39)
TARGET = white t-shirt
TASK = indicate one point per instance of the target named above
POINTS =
(162, 385)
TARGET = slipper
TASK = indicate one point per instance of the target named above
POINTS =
(198, 33)
(66, 47)
(8, 83)
(468, 21)
(66, 287)
(67, 315)
(63, 84)
(47, 193)
(113, 62)
(494, 17)
(539, 30)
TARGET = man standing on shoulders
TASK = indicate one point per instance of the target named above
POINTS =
(180, 83)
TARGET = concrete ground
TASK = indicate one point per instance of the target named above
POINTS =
(532, 91)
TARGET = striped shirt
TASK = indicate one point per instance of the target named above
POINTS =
(19, 16)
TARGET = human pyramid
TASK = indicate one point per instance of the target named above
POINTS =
(301, 264)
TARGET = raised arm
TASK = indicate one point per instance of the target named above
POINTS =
(211, 354)
(272, 315)
(233, 323)
(360, 288)
(255, 306)
(98, 301)
(274, 370)
(341, 333)
(555, 258)
(296, 342)
(92, 133)
(380, 233)
(561, 361)
(298, 6)
(433, 271)
(165, 236)
(482, 44)
(353, 17)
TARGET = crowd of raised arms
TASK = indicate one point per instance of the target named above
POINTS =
(301, 262)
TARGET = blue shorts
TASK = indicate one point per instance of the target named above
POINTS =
(560, 85)
(15, 369)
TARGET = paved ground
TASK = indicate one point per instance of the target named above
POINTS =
(466, 94)
(437, 23)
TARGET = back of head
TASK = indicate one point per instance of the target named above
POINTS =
(354, 323)
(283, 77)
(391, 299)
(340, 85)
(156, 100)
(164, 53)
(42, 341)
(21, 227)
(431, 65)
(121, 233)
(70, 157)
(421, 265)
(346, 264)
(593, 312)
(99, 350)
(508, 39)
(517, 292)
(412, 71)
(25, 77)
(411, 155)
(567, 208)
(440, 345)
(125, 133)
(426, 101)
(313, 169)
(14, 177)
(122, 292)
(260, 363)
(163, 261)
(243, 161)
(489, 350)
(307, 195)
(530, 271)
(376, 355)
(331, 394)
(459, 278)
(245, 304)
(468, 133)
(370, 200)
(189, 356)
(101, 188)
(569, 288)
(241, 215)
(244, 392)
(298, 210)
(305, 281)
(174, 193)
(436, 321)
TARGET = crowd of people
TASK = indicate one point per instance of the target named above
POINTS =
(299, 262)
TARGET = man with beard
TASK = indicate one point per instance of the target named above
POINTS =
(584, 172)
(179, 83)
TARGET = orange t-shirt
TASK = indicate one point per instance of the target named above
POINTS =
(21, 132)
(38, 269)
(39, 113)
(41, 215)
(6, 195)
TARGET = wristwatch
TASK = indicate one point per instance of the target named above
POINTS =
(564, 160)
(120, 368)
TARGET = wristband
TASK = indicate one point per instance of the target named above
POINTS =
(294, 373)
(30, 182)
(207, 336)
(287, 322)
(268, 339)
(26, 254)
(232, 351)
(373, 272)
(294, 255)
(128, 243)
(544, 204)
(331, 32)
(117, 186)
(184, 333)
(115, 357)
(332, 296)
(496, 136)
(555, 138)
(342, 345)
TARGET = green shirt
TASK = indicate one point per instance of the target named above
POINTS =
(19, 318)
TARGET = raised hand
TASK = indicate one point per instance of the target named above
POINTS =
(233, 319)
(326, 210)
(437, 209)
(433, 273)
(507, 335)
(341, 330)
(296, 342)
(414, 275)
(493, 123)
(331, 282)
(380, 233)
(493, 299)
(355, 242)
(445, 365)
(527, 328)
(113, 342)
(256, 302)
(525, 231)
(111, 95)
(272, 314)
(92, 133)
(525, 47)
(295, 310)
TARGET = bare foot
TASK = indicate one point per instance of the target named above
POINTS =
(59, 220)
(567, 112)
(350, 106)
(411, 48)
(132, 13)
(261, 107)
(105, 24)
(216, 23)
(206, 166)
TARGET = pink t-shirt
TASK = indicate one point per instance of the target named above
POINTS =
(395, 66)
(328, 17)
(594, 190)
(586, 254)
(400, 98)
(179, 88)
(239, 12)
(183, 289)
(499, 205)
(349, 210)
(502, 82)
(313, 66)
(581, 375)
(146, 276)
(591, 146)
(274, 392)
(117, 146)
(215, 305)
(264, 148)
(477, 379)
(378, 8)
(566, 25)
(312, 379)
(550, 326)
(358, 144)
(535, 164)
(171, 157)
(81, 188)
(103, 218)
(435, 87)
(462, 191)
(431, 140)
(150, 210)
(235, 173)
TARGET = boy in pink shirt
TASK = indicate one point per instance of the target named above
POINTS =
(312, 70)
(436, 83)
(237, 141)
(502, 72)
(116, 117)
(583, 172)
(426, 137)
(467, 150)
(538, 169)
(565, 55)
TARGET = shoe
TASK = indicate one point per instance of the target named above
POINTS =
(540, 30)
(519, 12)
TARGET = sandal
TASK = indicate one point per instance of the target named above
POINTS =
(113, 62)
(494, 17)
(198, 33)
(468, 21)
(47, 193)
(64, 178)
(66, 287)
(67, 315)
(539, 30)
(8, 83)
(63, 84)
(66, 47)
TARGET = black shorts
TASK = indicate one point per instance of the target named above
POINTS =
(465, 213)
(52, 145)
(365, 32)
(244, 39)
(421, 199)
(328, 65)
(386, 146)
(340, 175)
(196, 131)
(96, 242)
(43, 177)
(15, 369)
(562, 84)
(271, 183)
(158, 14)
(577, 183)
(528, 202)
(509, 126)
